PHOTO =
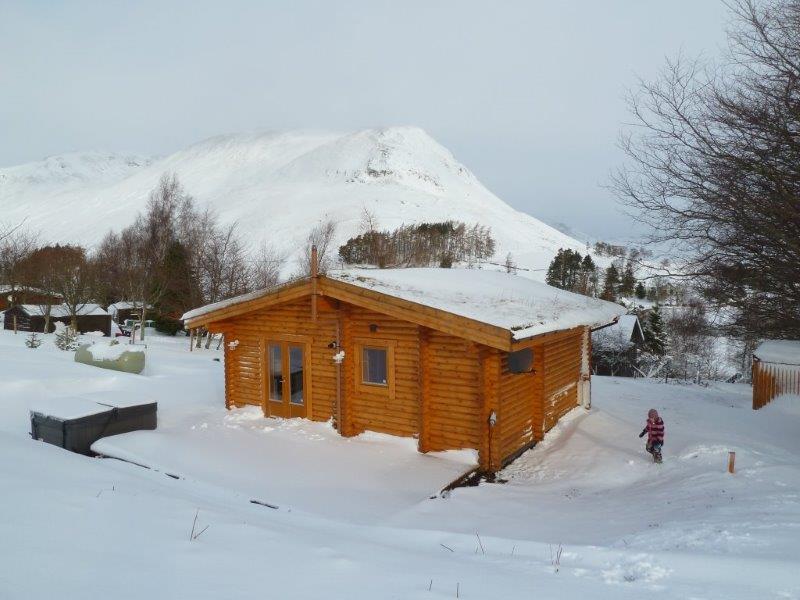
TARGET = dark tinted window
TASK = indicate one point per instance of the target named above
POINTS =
(521, 361)
(374, 366)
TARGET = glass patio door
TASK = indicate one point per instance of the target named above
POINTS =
(286, 379)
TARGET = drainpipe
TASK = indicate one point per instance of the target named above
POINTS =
(338, 381)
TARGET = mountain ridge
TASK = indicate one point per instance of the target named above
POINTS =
(277, 186)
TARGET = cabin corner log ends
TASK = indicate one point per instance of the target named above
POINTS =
(446, 381)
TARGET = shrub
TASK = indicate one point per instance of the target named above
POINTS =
(168, 325)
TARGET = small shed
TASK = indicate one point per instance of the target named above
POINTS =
(615, 349)
(776, 371)
(30, 317)
(457, 358)
(126, 309)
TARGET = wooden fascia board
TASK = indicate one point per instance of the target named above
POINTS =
(545, 337)
(434, 318)
(285, 294)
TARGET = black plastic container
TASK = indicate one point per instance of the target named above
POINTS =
(74, 426)
(130, 417)
(76, 423)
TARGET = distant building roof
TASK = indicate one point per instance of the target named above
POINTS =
(61, 310)
(126, 305)
(627, 330)
(7, 288)
(779, 351)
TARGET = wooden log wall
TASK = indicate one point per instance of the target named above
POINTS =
(771, 380)
(244, 364)
(454, 395)
(562, 373)
(521, 405)
(393, 409)
(452, 398)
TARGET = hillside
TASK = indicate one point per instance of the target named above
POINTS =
(277, 186)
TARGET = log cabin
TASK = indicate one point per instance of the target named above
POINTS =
(31, 317)
(457, 358)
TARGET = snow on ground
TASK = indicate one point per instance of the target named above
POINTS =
(354, 517)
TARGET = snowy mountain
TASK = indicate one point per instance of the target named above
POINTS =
(277, 186)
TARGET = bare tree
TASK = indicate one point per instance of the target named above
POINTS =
(224, 271)
(43, 272)
(75, 280)
(152, 240)
(714, 166)
(321, 236)
(265, 267)
(16, 245)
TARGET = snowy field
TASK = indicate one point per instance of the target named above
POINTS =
(584, 515)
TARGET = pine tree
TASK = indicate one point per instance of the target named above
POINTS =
(588, 284)
(610, 283)
(33, 340)
(628, 281)
(555, 272)
(565, 270)
(511, 266)
(66, 339)
(640, 291)
(655, 335)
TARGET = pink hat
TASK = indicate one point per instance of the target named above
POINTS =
(652, 414)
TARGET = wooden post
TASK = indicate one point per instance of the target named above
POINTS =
(191, 339)
(348, 375)
(423, 444)
(489, 380)
(314, 274)
(15, 324)
(731, 461)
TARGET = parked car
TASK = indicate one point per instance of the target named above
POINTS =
(131, 325)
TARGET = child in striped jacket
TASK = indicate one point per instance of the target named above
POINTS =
(655, 434)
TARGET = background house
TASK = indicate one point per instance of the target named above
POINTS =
(31, 317)
(616, 348)
(776, 371)
(13, 295)
(126, 309)
(457, 358)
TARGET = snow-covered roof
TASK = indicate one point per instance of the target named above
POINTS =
(521, 305)
(61, 310)
(779, 351)
(624, 328)
(7, 288)
(126, 305)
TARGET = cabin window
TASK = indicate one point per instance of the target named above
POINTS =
(520, 361)
(375, 366)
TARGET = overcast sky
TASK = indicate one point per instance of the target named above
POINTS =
(529, 95)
